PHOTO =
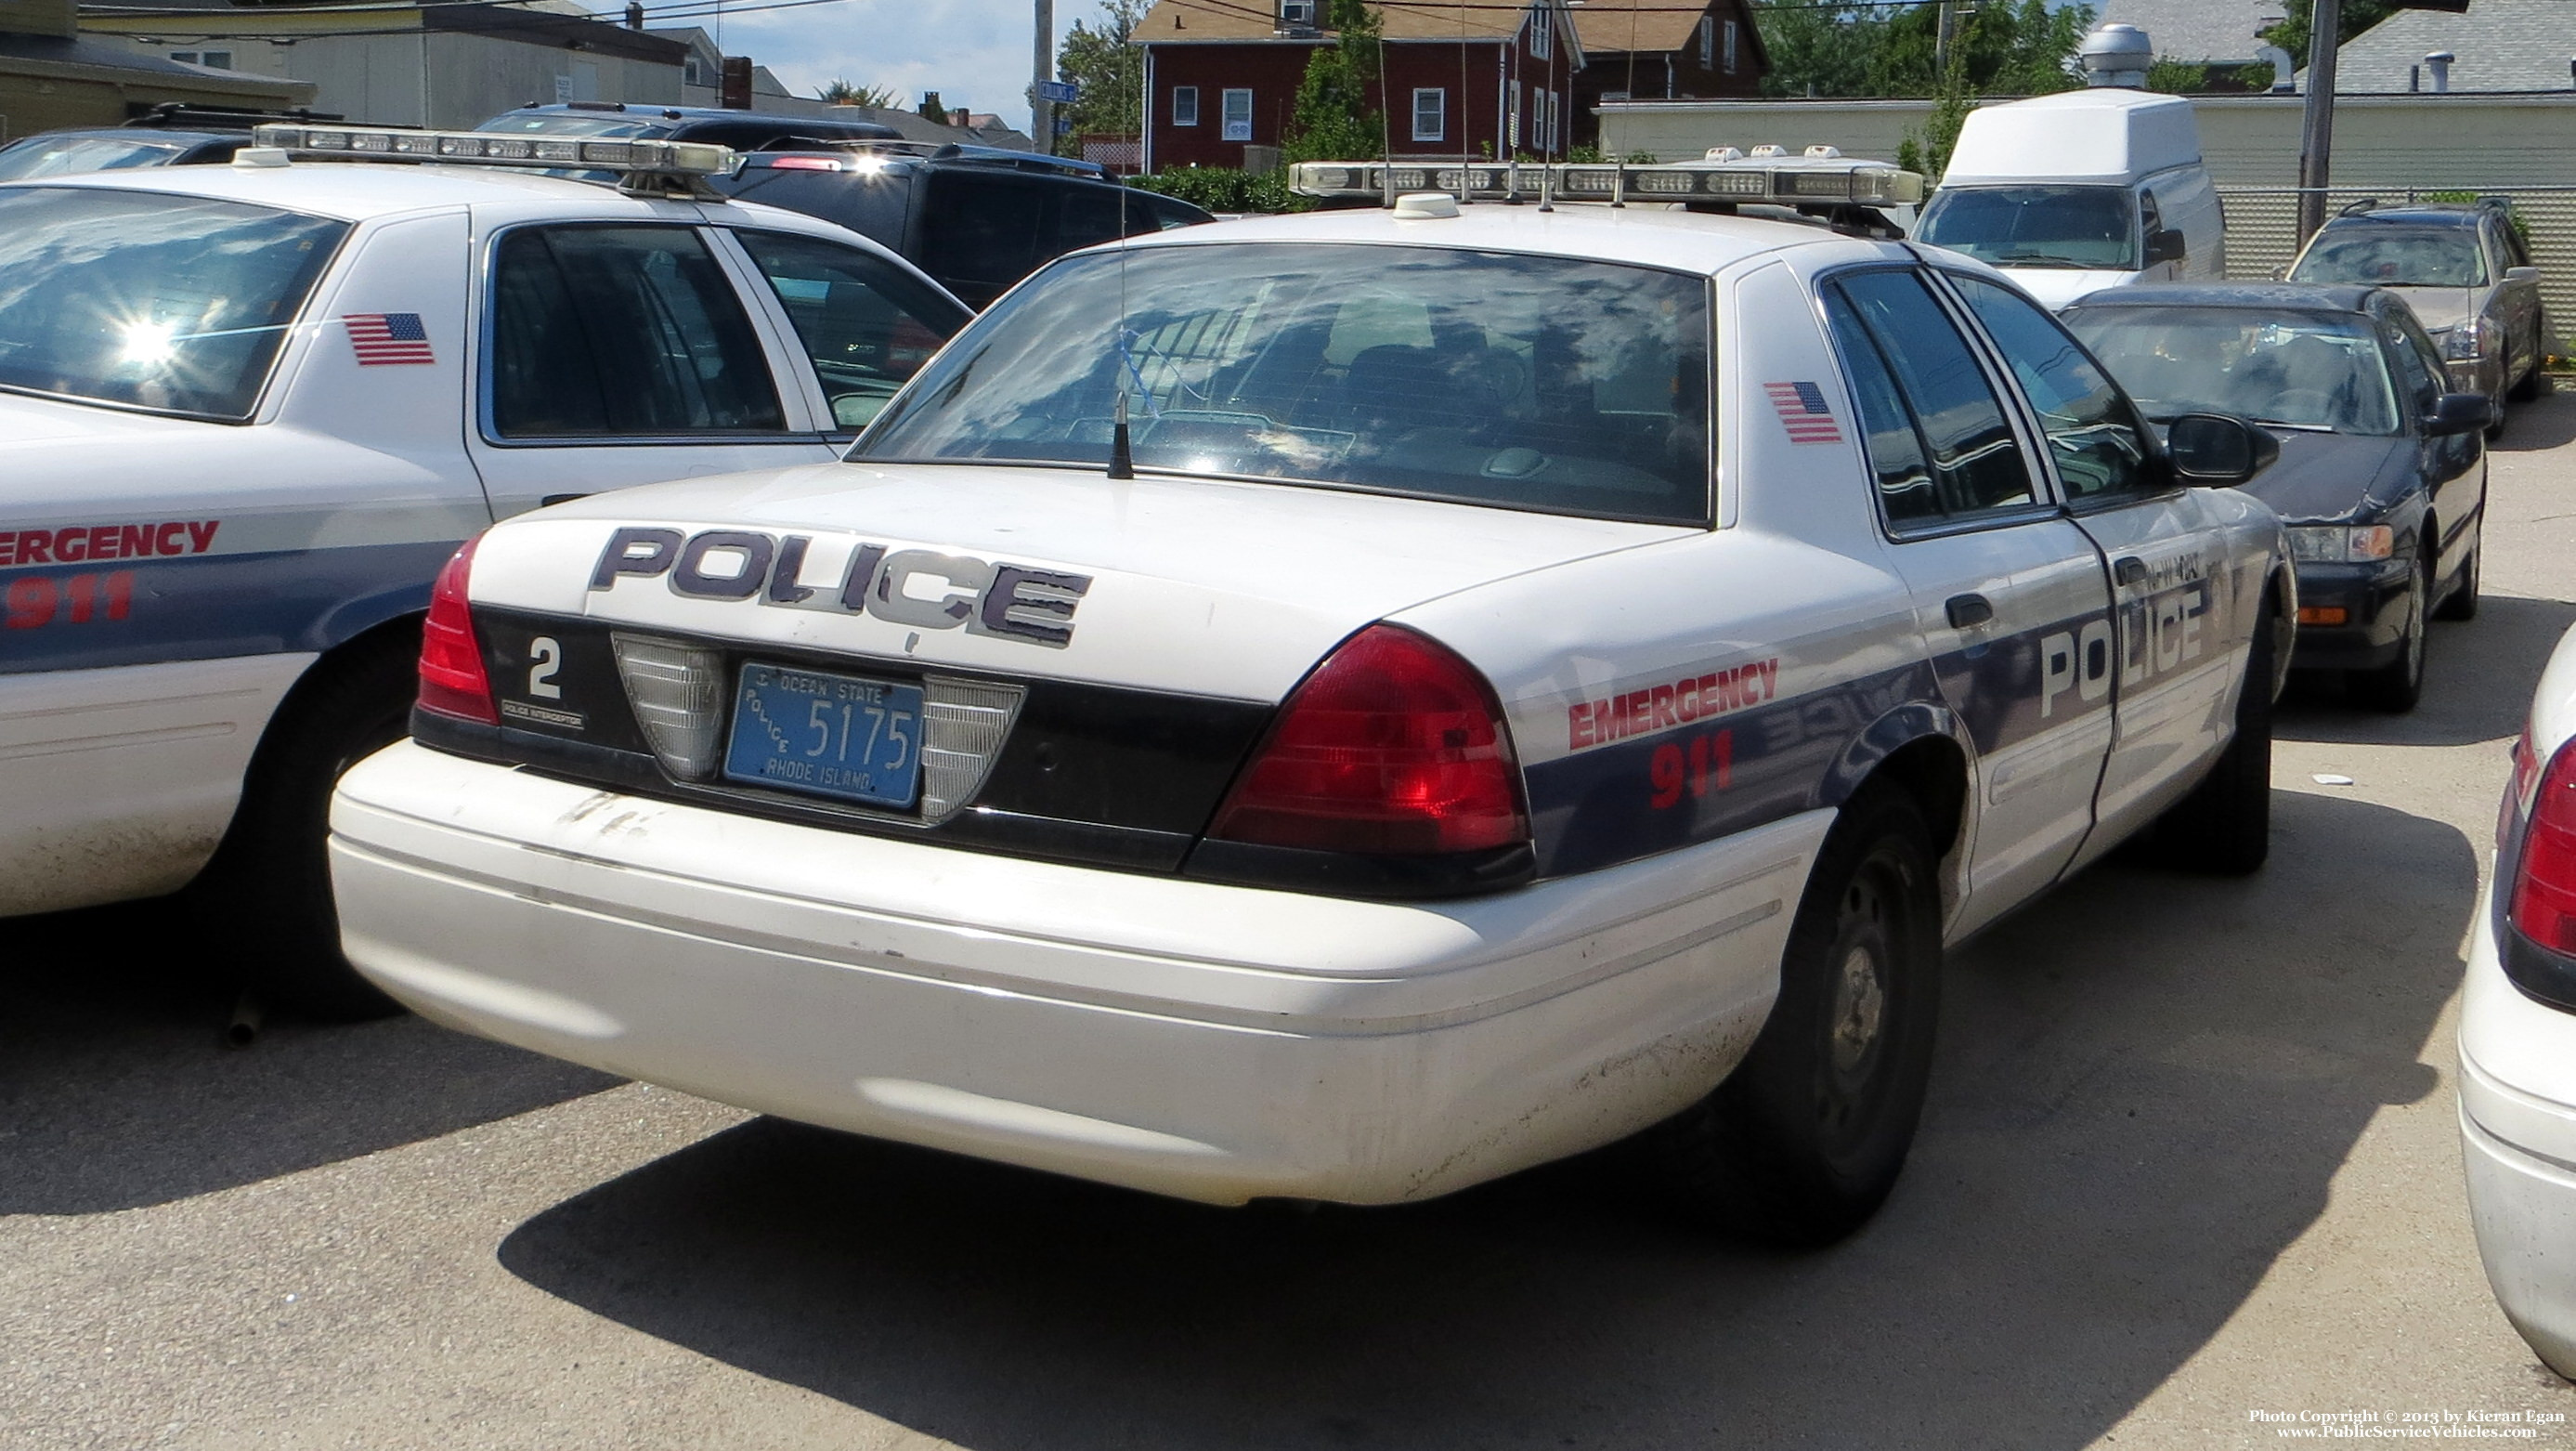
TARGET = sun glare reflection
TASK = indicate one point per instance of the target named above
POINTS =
(148, 344)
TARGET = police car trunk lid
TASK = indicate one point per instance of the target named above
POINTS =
(1199, 587)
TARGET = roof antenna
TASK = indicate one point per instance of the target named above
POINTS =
(1122, 461)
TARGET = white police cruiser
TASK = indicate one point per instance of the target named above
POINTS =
(247, 411)
(1347, 706)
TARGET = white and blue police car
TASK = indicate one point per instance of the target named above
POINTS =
(247, 411)
(1346, 706)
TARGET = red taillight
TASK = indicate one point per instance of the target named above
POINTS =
(1393, 746)
(451, 659)
(2544, 884)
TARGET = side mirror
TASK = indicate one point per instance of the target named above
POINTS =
(2166, 245)
(2215, 450)
(2530, 275)
(2459, 413)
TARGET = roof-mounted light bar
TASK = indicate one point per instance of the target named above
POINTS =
(1769, 174)
(655, 159)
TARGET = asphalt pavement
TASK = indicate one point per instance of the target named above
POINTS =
(2191, 1159)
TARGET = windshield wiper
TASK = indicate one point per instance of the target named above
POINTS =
(2035, 259)
(2300, 427)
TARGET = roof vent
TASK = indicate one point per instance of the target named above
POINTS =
(2439, 64)
(2117, 55)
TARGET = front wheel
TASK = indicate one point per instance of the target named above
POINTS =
(2225, 824)
(266, 897)
(1805, 1140)
(2463, 603)
(2397, 685)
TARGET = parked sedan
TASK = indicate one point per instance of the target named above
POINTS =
(1346, 707)
(2465, 272)
(2382, 475)
(2518, 1034)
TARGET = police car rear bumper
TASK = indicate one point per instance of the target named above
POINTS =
(1189, 1038)
(2518, 1146)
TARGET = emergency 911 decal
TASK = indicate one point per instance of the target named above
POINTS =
(922, 588)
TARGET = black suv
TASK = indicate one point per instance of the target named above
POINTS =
(976, 218)
(169, 134)
(741, 130)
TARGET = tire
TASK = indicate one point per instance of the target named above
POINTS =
(1803, 1142)
(2463, 603)
(2530, 386)
(265, 899)
(2225, 825)
(2397, 685)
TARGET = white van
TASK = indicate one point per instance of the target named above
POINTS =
(2079, 191)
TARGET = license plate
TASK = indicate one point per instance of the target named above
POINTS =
(826, 735)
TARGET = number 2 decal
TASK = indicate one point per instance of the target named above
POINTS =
(546, 653)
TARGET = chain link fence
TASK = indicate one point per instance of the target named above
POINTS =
(2263, 233)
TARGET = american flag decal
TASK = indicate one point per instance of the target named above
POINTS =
(1802, 411)
(388, 337)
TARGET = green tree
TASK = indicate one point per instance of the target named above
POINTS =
(1818, 49)
(2296, 26)
(2006, 47)
(2177, 78)
(1110, 71)
(1928, 151)
(1333, 118)
(843, 93)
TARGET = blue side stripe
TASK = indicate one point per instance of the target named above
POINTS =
(207, 607)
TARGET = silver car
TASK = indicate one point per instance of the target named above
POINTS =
(2466, 273)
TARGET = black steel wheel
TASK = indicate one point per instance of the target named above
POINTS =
(1805, 1140)
(265, 899)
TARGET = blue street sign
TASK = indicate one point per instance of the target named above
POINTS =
(1062, 93)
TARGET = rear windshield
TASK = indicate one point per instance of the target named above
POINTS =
(40, 156)
(172, 303)
(2035, 226)
(1524, 382)
(2308, 370)
(2386, 256)
(554, 123)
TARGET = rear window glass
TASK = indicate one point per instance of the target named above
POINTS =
(62, 156)
(1525, 382)
(165, 302)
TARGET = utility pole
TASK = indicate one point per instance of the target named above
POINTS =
(1941, 45)
(2316, 134)
(1042, 110)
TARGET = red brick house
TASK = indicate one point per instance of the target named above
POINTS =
(1221, 76)
(1663, 50)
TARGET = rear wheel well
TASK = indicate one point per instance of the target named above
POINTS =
(1933, 771)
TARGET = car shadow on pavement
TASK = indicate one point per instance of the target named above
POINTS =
(2542, 424)
(2478, 679)
(117, 1089)
(2146, 1085)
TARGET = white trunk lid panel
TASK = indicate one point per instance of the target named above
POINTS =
(1223, 589)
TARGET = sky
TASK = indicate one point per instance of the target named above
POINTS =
(974, 53)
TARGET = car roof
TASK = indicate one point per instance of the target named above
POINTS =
(2413, 214)
(2256, 296)
(140, 135)
(1637, 235)
(351, 191)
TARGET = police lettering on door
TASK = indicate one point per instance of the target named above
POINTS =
(2159, 631)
